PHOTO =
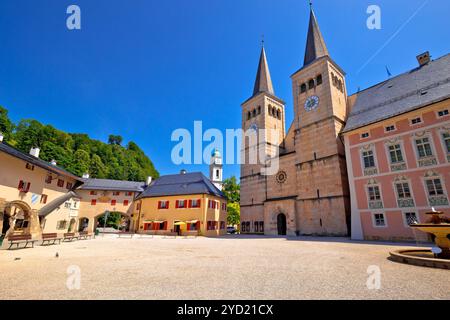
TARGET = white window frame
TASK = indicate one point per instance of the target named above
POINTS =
(379, 191)
(425, 179)
(443, 116)
(365, 138)
(415, 124)
(390, 144)
(405, 221)
(362, 150)
(441, 138)
(391, 125)
(384, 218)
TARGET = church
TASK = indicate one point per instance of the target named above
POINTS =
(309, 195)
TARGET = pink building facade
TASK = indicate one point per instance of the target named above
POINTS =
(398, 164)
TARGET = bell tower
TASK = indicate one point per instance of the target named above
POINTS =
(320, 109)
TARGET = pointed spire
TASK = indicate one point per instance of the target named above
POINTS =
(315, 45)
(263, 82)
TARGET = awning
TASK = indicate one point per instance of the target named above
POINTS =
(179, 223)
(192, 221)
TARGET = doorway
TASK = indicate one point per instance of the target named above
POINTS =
(282, 225)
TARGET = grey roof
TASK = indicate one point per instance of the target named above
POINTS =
(50, 207)
(112, 185)
(409, 91)
(263, 82)
(36, 161)
(181, 184)
(315, 44)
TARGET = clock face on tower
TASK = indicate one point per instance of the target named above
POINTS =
(312, 103)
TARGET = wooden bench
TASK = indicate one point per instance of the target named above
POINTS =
(70, 236)
(50, 238)
(19, 239)
(84, 235)
(126, 234)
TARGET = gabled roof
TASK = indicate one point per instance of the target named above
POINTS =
(4, 147)
(112, 185)
(409, 91)
(50, 207)
(315, 44)
(181, 184)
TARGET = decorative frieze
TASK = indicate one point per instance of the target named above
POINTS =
(428, 161)
(406, 203)
(376, 204)
(370, 171)
(436, 201)
(398, 166)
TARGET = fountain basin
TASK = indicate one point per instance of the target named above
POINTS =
(419, 257)
(441, 233)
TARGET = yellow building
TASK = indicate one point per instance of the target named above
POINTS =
(185, 203)
(35, 196)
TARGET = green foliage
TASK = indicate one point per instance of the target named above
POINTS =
(232, 191)
(114, 220)
(234, 214)
(6, 125)
(78, 153)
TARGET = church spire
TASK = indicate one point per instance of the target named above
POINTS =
(315, 45)
(263, 82)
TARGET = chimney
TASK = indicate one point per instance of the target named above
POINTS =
(86, 176)
(149, 181)
(183, 171)
(35, 152)
(424, 58)
(53, 162)
(1, 137)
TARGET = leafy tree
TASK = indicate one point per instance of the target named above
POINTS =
(114, 220)
(232, 190)
(6, 125)
(117, 140)
(81, 162)
(234, 214)
(97, 169)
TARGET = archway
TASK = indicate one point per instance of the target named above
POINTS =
(72, 225)
(16, 219)
(116, 221)
(281, 224)
(83, 224)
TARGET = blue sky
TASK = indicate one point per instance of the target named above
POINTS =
(143, 68)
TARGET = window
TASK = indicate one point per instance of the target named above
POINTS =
(217, 174)
(67, 205)
(116, 193)
(403, 190)
(44, 199)
(365, 135)
(303, 88)
(113, 202)
(181, 204)
(243, 227)
(128, 194)
(279, 114)
(247, 226)
(61, 225)
(24, 186)
(411, 218)
(163, 205)
(195, 203)
(416, 121)
(319, 79)
(254, 113)
(256, 224)
(93, 202)
(48, 179)
(60, 183)
(424, 147)
(93, 193)
(443, 113)
(368, 159)
(125, 202)
(395, 153)
(311, 84)
(29, 166)
(390, 128)
(434, 187)
(374, 193)
(446, 137)
(379, 220)
(261, 226)
(69, 186)
(249, 115)
(259, 110)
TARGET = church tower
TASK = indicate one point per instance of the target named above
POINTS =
(263, 110)
(216, 169)
(320, 109)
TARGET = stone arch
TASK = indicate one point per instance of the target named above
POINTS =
(124, 224)
(16, 218)
(282, 224)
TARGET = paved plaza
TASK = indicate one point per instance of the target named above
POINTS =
(232, 267)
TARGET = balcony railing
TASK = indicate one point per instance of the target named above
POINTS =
(398, 166)
(406, 203)
(438, 201)
(427, 161)
(378, 204)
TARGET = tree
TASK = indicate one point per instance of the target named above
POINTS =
(234, 214)
(96, 168)
(232, 190)
(81, 163)
(117, 140)
(6, 125)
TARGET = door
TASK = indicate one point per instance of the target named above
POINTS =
(282, 227)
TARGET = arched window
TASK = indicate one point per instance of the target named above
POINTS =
(254, 112)
(270, 109)
(274, 112)
(311, 84)
(259, 109)
(256, 226)
(333, 79)
(247, 226)
(319, 80)
(249, 115)
(279, 114)
(303, 88)
(340, 86)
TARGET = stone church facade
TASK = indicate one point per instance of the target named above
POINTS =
(309, 195)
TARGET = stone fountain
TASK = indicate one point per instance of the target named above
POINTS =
(439, 228)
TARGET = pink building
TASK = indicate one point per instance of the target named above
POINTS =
(397, 141)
